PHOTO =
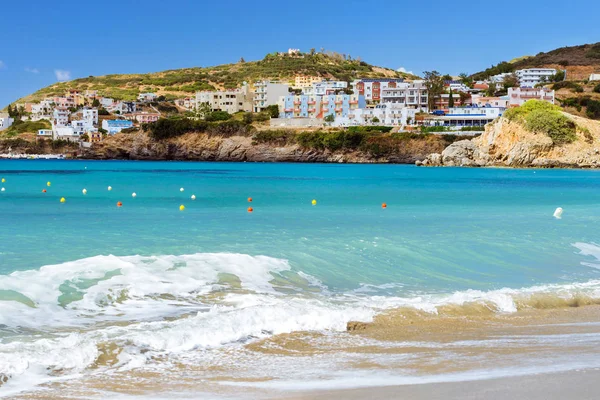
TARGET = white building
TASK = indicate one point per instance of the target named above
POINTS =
(147, 96)
(594, 77)
(518, 96)
(231, 101)
(91, 116)
(387, 114)
(65, 133)
(458, 87)
(499, 78)
(532, 76)
(412, 95)
(324, 88)
(466, 116)
(267, 93)
(60, 117)
(106, 102)
(5, 121)
(45, 133)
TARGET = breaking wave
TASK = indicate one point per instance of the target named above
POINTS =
(121, 312)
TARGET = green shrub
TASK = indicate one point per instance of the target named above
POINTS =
(560, 129)
(597, 88)
(282, 137)
(542, 117)
(218, 116)
(568, 85)
(593, 109)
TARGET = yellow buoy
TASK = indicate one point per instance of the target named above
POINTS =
(62, 200)
(3, 180)
(181, 207)
(314, 202)
(48, 183)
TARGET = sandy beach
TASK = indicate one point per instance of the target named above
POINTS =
(579, 385)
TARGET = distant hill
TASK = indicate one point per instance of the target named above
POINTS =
(579, 61)
(185, 82)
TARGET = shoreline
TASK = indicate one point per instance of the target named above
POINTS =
(574, 384)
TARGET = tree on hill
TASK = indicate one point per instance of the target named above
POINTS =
(329, 118)
(273, 110)
(451, 99)
(242, 60)
(491, 90)
(435, 86)
(465, 80)
(96, 103)
(375, 120)
(510, 81)
(559, 76)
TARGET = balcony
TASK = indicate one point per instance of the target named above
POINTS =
(312, 110)
(354, 102)
(325, 102)
(339, 109)
(339, 102)
(297, 110)
(288, 110)
(297, 103)
(310, 103)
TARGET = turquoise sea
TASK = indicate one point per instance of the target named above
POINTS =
(159, 282)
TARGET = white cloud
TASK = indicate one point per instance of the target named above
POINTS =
(62, 75)
(402, 69)
(32, 70)
(2, 65)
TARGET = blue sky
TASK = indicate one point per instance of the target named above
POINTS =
(44, 41)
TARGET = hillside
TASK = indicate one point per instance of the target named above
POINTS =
(579, 61)
(184, 82)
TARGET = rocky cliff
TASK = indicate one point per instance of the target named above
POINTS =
(509, 144)
(204, 147)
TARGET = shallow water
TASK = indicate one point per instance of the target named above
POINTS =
(88, 289)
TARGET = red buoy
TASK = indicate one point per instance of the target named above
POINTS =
(250, 209)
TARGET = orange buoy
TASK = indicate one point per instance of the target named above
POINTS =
(249, 199)
(43, 190)
(250, 209)
(384, 205)
(119, 204)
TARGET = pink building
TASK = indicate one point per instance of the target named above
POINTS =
(143, 117)
(518, 96)
(64, 101)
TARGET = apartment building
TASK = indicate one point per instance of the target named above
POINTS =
(387, 114)
(231, 101)
(325, 87)
(302, 81)
(518, 96)
(443, 101)
(413, 95)
(303, 106)
(371, 89)
(60, 117)
(267, 93)
(532, 76)
(64, 101)
(5, 121)
(90, 115)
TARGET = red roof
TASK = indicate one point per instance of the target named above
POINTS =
(482, 86)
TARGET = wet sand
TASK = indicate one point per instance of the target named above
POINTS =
(573, 385)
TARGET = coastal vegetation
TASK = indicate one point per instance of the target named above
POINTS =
(19, 127)
(544, 118)
(175, 83)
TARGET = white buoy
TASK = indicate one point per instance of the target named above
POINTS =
(109, 188)
(181, 190)
(2, 190)
(84, 191)
(558, 213)
(193, 197)
(133, 194)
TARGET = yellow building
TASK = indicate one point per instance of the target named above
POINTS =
(302, 81)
